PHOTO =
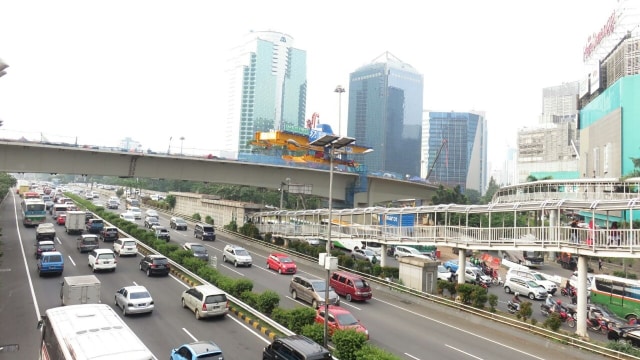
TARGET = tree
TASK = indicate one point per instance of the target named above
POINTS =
(449, 196)
(492, 188)
(473, 196)
(171, 200)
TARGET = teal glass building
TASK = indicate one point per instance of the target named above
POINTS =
(385, 113)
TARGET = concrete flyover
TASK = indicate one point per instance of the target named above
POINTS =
(31, 157)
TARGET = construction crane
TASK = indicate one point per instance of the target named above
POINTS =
(442, 145)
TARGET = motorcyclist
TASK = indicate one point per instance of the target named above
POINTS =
(516, 301)
(550, 302)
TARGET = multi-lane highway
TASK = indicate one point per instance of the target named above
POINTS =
(397, 323)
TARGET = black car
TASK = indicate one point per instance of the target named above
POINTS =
(109, 234)
(151, 221)
(178, 223)
(155, 265)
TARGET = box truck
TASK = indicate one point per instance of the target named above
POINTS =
(83, 289)
(75, 222)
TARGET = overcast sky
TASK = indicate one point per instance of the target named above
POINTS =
(151, 70)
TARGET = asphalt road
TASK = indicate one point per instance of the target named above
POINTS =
(398, 323)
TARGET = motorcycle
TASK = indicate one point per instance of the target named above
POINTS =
(512, 307)
(550, 306)
(571, 292)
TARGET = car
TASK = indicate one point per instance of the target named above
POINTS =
(197, 350)
(403, 251)
(50, 262)
(296, 347)
(151, 212)
(61, 219)
(529, 288)
(443, 273)
(472, 274)
(128, 217)
(109, 233)
(162, 233)
(281, 263)
(137, 213)
(113, 204)
(351, 286)
(340, 319)
(88, 195)
(134, 300)
(538, 277)
(198, 250)
(94, 226)
(87, 242)
(102, 259)
(205, 301)
(44, 246)
(151, 221)
(155, 265)
(125, 246)
(312, 291)
(236, 255)
(364, 254)
(178, 223)
(204, 232)
(452, 265)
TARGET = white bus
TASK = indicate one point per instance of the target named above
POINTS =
(88, 331)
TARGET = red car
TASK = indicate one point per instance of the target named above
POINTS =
(282, 263)
(61, 219)
(341, 319)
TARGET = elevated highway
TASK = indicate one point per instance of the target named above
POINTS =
(25, 157)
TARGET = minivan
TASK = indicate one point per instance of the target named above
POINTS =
(351, 286)
(204, 232)
(205, 301)
(50, 262)
(526, 287)
(295, 347)
(313, 291)
(538, 277)
(102, 259)
(87, 242)
(125, 246)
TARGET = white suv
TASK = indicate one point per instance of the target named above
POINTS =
(526, 287)
(102, 259)
(538, 277)
(236, 255)
(125, 246)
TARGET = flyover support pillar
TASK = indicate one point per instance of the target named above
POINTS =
(383, 255)
(581, 322)
(462, 264)
(553, 231)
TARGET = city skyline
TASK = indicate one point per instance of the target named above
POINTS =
(153, 71)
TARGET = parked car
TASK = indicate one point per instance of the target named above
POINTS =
(236, 255)
(364, 254)
(443, 273)
(529, 288)
(340, 319)
(351, 286)
(312, 291)
(134, 300)
(204, 232)
(102, 259)
(474, 275)
(197, 250)
(125, 246)
(44, 246)
(205, 301)
(402, 251)
(178, 223)
(282, 263)
(87, 242)
(50, 262)
(197, 350)
(155, 264)
(151, 221)
(452, 265)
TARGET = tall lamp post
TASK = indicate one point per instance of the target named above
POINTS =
(282, 185)
(181, 142)
(339, 89)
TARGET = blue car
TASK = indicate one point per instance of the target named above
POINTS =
(197, 350)
(452, 265)
(50, 262)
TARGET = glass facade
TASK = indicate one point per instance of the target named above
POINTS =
(385, 113)
(270, 81)
(456, 149)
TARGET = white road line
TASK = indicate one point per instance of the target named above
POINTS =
(70, 259)
(411, 356)
(464, 352)
(232, 269)
(190, 335)
(460, 329)
(134, 283)
(342, 303)
(180, 281)
(58, 240)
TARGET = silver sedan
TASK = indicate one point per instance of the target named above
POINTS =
(364, 254)
(134, 300)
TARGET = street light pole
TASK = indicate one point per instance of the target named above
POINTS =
(339, 89)
(326, 290)
(181, 142)
(282, 184)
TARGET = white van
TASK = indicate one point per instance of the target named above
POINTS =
(538, 277)
(125, 246)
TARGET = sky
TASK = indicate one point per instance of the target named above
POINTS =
(96, 72)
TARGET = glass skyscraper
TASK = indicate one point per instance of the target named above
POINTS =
(268, 89)
(385, 113)
(455, 149)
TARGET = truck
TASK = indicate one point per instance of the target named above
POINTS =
(45, 231)
(82, 289)
(567, 261)
(74, 224)
(532, 259)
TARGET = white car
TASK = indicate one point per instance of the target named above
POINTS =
(125, 246)
(134, 300)
(236, 255)
(128, 216)
(102, 259)
(443, 273)
(402, 251)
(151, 212)
(137, 213)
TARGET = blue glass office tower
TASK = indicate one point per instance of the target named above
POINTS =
(385, 113)
(268, 89)
(455, 149)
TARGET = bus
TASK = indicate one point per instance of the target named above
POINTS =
(620, 295)
(34, 212)
(32, 195)
(88, 331)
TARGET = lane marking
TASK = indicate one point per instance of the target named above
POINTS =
(190, 335)
(411, 356)
(464, 352)
(70, 259)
